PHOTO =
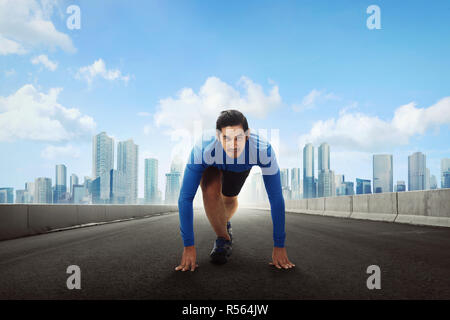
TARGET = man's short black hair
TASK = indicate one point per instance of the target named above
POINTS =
(231, 118)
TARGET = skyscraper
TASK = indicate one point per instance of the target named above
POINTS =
(151, 180)
(433, 182)
(60, 182)
(326, 187)
(173, 182)
(119, 187)
(445, 166)
(446, 179)
(127, 163)
(6, 195)
(102, 154)
(20, 196)
(296, 184)
(73, 180)
(102, 163)
(309, 188)
(43, 190)
(427, 179)
(417, 165)
(382, 173)
(29, 192)
(339, 184)
(363, 186)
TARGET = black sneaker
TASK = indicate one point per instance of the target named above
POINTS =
(221, 251)
(230, 231)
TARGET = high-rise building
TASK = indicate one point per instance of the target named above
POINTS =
(382, 173)
(173, 182)
(151, 181)
(323, 153)
(363, 186)
(427, 179)
(20, 196)
(79, 194)
(349, 188)
(339, 184)
(446, 179)
(296, 184)
(309, 187)
(127, 163)
(417, 165)
(43, 190)
(119, 187)
(102, 163)
(102, 154)
(60, 183)
(29, 192)
(6, 195)
(73, 181)
(326, 186)
(445, 166)
(433, 182)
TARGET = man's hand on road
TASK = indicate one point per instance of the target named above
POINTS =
(188, 259)
(280, 258)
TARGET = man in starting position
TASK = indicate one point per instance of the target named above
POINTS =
(220, 165)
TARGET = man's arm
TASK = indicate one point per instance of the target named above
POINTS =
(191, 179)
(277, 208)
(272, 182)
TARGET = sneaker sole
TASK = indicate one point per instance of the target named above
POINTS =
(219, 257)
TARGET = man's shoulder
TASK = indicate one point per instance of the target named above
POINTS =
(258, 142)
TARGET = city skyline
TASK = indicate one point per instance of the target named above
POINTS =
(118, 183)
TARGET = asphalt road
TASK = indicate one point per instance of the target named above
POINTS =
(136, 260)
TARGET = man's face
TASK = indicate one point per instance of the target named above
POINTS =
(233, 140)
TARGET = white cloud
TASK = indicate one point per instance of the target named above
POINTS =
(314, 98)
(357, 131)
(26, 24)
(98, 69)
(60, 152)
(8, 46)
(44, 60)
(188, 109)
(33, 115)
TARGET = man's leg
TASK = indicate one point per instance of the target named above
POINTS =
(231, 204)
(218, 210)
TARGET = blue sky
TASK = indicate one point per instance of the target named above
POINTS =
(147, 69)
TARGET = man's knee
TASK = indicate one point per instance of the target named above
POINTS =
(230, 201)
(211, 183)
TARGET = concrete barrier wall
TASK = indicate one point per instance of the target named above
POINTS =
(43, 218)
(18, 220)
(315, 206)
(429, 207)
(338, 206)
(377, 206)
(13, 221)
(299, 206)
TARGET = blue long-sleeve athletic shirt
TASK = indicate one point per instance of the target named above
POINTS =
(258, 151)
